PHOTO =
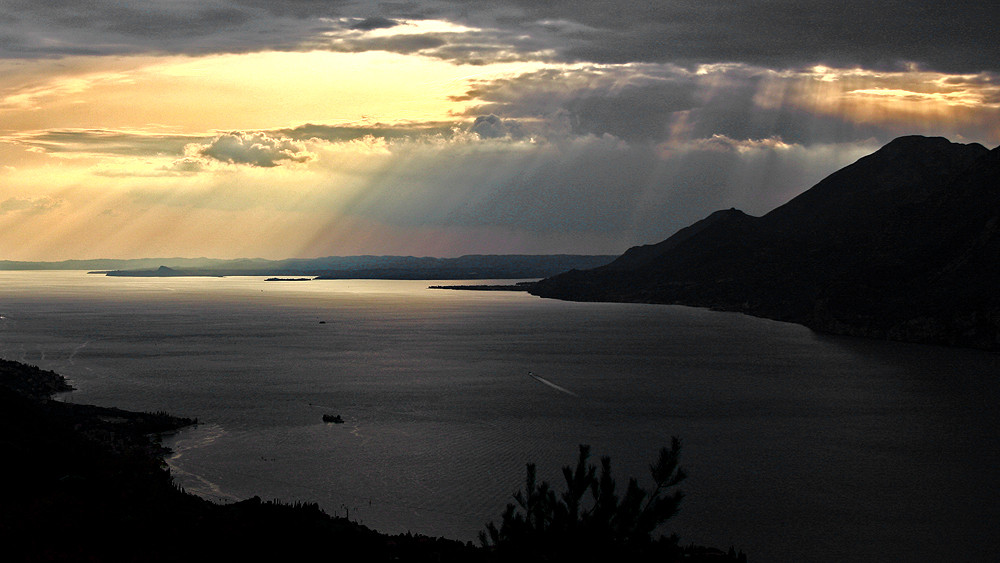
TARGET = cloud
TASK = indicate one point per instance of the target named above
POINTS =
(377, 22)
(724, 144)
(437, 38)
(185, 165)
(950, 36)
(253, 149)
(350, 132)
(656, 105)
(939, 34)
(659, 102)
(29, 205)
(492, 127)
(105, 142)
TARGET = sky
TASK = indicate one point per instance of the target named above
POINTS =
(306, 128)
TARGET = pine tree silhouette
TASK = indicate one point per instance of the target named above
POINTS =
(543, 526)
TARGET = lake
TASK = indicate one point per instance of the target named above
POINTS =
(798, 446)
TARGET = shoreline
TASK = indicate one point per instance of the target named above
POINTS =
(93, 484)
(519, 286)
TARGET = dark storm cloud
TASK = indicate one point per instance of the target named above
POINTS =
(300, 9)
(369, 24)
(652, 103)
(950, 36)
(944, 35)
(101, 27)
(493, 127)
(138, 19)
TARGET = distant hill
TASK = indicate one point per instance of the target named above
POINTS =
(470, 267)
(473, 266)
(903, 244)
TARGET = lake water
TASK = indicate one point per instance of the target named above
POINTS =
(799, 447)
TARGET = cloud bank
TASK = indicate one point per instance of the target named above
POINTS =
(939, 35)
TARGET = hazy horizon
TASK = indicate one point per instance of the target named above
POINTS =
(256, 259)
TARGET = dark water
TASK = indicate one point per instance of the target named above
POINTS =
(799, 447)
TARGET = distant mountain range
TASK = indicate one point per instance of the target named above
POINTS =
(474, 266)
(903, 244)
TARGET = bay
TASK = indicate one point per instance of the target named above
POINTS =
(799, 446)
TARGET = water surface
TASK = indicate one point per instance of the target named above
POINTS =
(798, 446)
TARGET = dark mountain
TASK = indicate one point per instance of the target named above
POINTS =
(903, 244)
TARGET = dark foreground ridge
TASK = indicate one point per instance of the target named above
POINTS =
(87, 483)
(904, 244)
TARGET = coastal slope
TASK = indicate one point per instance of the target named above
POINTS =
(903, 244)
(88, 483)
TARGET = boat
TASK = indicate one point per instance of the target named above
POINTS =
(334, 418)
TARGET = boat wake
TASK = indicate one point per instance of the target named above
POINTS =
(544, 381)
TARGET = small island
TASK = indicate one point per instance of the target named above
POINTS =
(288, 279)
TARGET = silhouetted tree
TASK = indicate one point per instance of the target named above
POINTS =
(541, 525)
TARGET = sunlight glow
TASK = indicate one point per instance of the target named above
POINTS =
(244, 91)
(912, 101)
(276, 154)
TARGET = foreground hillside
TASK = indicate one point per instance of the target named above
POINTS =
(903, 244)
(87, 483)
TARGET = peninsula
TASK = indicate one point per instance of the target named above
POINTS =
(904, 244)
(89, 484)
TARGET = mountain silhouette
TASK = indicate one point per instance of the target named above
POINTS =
(903, 244)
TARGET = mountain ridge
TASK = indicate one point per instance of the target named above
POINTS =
(902, 244)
